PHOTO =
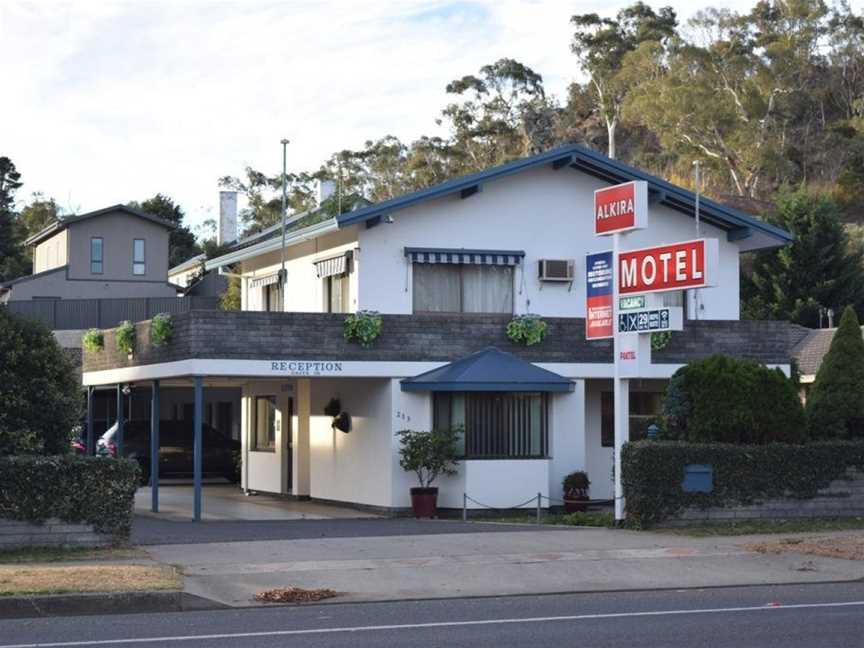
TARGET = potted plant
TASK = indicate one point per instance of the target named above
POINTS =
(576, 486)
(428, 455)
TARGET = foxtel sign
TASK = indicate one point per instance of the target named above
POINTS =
(691, 264)
(621, 208)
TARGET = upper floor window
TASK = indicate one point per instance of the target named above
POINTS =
(139, 267)
(463, 281)
(96, 251)
(334, 273)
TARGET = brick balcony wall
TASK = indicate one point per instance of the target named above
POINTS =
(430, 337)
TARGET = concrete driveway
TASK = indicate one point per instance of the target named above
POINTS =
(222, 502)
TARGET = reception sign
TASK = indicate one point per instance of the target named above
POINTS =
(621, 208)
(598, 303)
(678, 266)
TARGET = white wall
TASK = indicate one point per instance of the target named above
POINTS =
(352, 467)
(546, 213)
(567, 447)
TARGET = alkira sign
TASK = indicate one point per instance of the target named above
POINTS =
(620, 208)
(669, 267)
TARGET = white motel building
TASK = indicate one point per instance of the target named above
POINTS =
(447, 268)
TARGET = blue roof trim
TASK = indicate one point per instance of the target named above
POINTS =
(489, 370)
(590, 162)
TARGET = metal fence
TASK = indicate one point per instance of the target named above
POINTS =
(68, 314)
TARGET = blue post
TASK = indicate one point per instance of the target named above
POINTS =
(91, 441)
(197, 445)
(118, 440)
(154, 448)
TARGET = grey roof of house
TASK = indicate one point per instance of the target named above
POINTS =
(64, 221)
(810, 351)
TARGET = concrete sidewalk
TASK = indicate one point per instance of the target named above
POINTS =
(489, 564)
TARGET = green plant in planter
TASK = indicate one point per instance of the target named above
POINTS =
(575, 487)
(526, 329)
(93, 340)
(161, 329)
(428, 454)
(333, 407)
(125, 337)
(660, 340)
(363, 327)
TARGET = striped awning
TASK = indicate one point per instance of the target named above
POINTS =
(260, 282)
(333, 266)
(463, 256)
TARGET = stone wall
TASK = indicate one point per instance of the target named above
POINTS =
(842, 498)
(430, 337)
(15, 534)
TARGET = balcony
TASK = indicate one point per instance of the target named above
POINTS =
(202, 334)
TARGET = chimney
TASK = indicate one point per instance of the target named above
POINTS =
(326, 188)
(227, 231)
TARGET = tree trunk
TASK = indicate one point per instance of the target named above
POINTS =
(611, 126)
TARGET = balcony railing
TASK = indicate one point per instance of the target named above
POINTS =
(76, 314)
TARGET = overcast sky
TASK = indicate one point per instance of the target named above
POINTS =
(102, 103)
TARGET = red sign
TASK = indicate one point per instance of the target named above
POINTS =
(668, 267)
(621, 208)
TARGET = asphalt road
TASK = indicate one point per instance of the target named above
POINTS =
(823, 616)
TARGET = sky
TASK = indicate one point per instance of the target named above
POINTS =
(107, 102)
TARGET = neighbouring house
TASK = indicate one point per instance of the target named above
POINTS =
(809, 353)
(195, 281)
(447, 268)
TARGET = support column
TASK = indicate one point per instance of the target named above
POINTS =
(154, 447)
(621, 399)
(197, 445)
(118, 440)
(300, 474)
(90, 440)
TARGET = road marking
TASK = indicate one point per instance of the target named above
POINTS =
(435, 624)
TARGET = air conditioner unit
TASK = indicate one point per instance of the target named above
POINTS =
(557, 269)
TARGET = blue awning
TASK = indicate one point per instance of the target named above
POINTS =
(489, 370)
(463, 256)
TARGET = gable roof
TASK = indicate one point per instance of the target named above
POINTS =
(489, 370)
(64, 222)
(811, 351)
(748, 231)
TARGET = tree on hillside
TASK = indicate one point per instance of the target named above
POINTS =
(602, 46)
(38, 214)
(835, 405)
(182, 244)
(819, 269)
(13, 260)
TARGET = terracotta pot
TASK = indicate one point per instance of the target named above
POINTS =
(424, 501)
(577, 504)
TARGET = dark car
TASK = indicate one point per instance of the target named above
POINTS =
(175, 449)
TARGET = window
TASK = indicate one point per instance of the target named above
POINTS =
(264, 425)
(138, 265)
(497, 425)
(96, 256)
(273, 298)
(336, 293)
(644, 408)
(454, 288)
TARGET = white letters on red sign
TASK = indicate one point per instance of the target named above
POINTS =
(621, 207)
(668, 267)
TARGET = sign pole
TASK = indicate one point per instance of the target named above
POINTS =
(620, 387)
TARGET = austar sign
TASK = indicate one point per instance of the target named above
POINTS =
(621, 208)
(668, 267)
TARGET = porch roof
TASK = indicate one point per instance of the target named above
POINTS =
(486, 371)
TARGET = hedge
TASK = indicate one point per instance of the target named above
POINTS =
(94, 490)
(652, 473)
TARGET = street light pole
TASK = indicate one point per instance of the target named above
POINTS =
(282, 273)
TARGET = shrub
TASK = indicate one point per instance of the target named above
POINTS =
(835, 405)
(652, 473)
(40, 398)
(93, 340)
(660, 340)
(125, 337)
(726, 400)
(428, 454)
(363, 327)
(526, 329)
(161, 329)
(72, 488)
(576, 484)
